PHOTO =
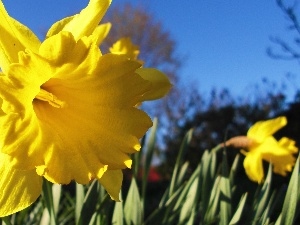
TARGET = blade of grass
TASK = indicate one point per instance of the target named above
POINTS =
(182, 151)
(291, 197)
(118, 214)
(265, 218)
(186, 188)
(182, 172)
(133, 208)
(225, 189)
(189, 204)
(212, 211)
(278, 221)
(207, 177)
(170, 212)
(238, 213)
(263, 197)
(48, 197)
(79, 201)
(89, 203)
(6, 220)
(234, 169)
(56, 190)
(148, 158)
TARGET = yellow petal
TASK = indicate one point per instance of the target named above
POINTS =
(19, 189)
(280, 154)
(100, 33)
(14, 37)
(84, 23)
(253, 166)
(58, 48)
(160, 84)
(58, 26)
(124, 46)
(112, 182)
(288, 144)
(99, 125)
(262, 129)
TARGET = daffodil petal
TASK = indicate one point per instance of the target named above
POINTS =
(288, 144)
(254, 167)
(124, 46)
(58, 26)
(19, 189)
(160, 83)
(280, 154)
(100, 33)
(84, 23)
(14, 37)
(112, 182)
(262, 129)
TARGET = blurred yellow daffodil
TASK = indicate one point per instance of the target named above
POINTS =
(261, 145)
(67, 111)
(124, 46)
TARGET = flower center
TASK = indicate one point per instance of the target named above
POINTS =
(51, 99)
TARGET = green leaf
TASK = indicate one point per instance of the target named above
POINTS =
(234, 168)
(56, 190)
(171, 213)
(225, 189)
(190, 202)
(239, 211)
(182, 172)
(118, 215)
(263, 197)
(133, 208)
(79, 201)
(48, 197)
(207, 177)
(186, 188)
(164, 198)
(182, 151)
(148, 159)
(191, 218)
(212, 211)
(278, 221)
(291, 198)
(265, 218)
(89, 203)
(166, 212)
(6, 220)
(45, 219)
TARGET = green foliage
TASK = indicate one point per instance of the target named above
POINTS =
(208, 195)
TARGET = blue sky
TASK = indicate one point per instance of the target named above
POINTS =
(225, 41)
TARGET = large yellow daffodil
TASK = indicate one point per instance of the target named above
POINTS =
(68, 112)
(261, 145)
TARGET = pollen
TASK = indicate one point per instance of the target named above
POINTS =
(46, 96)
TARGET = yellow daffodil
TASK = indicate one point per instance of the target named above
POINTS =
(261, 145)
(68, 112)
